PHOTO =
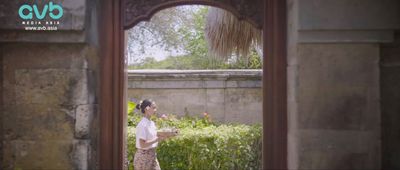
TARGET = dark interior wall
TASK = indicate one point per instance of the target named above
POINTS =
(1, 104)
(390, 103)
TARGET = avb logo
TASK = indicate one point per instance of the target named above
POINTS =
(29, 12)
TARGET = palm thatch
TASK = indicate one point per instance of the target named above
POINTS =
(227, 35)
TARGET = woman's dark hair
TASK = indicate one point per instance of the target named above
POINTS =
(143, 104)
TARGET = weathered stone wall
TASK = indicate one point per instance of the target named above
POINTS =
(390, 99)
(49, 90)
(1, 104)
(49, 106)
(228, 96)
(334, 81)
(338, 106)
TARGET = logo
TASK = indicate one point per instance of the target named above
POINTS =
(50, 8)
(44, 16)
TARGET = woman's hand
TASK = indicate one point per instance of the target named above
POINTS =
(161, 138)
(163, 134)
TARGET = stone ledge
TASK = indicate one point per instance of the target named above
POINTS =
(193, 84)
(9, 36)
(195, 74)
(334, 36)
(178, 79)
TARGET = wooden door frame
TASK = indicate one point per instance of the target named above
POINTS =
(112, 85)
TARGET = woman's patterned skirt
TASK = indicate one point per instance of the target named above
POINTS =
(146, 160)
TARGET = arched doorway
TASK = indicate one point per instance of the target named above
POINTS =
(118, 15)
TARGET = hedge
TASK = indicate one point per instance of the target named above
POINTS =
(201, 143)
(214, 147)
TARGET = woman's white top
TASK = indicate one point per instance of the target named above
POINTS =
(146, 130)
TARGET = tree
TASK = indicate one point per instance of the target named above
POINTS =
(186, 34)
(161, 32)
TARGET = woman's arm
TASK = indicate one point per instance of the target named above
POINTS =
(145, 144)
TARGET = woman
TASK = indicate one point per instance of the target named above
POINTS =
(146, 138)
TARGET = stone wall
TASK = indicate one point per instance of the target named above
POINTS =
(49, 90)
(1, 104)
(227, 95)
(338, 106)
(334, 81)
(49, 106)
(390, 99)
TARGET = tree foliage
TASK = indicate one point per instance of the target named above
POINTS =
(160, 32)
(188, 62)
(181, 29)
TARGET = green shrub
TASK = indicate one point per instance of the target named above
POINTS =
(203, 144)
(186, 121)
(222, 147)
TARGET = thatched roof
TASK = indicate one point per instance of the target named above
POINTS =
(225, 34)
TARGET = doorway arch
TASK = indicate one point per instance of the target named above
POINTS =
(135, 11)
(118, 15)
